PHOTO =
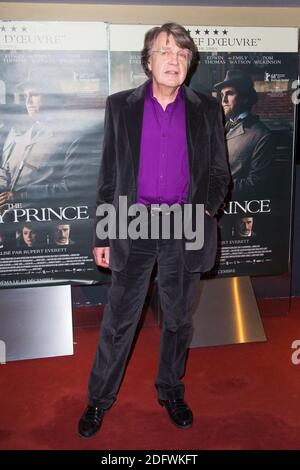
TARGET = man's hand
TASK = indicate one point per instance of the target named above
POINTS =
(5, 198)
(101, 255)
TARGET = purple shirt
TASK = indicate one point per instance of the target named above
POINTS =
(164, 169)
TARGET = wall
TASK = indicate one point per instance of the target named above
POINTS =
(227, 16)
(239, 16)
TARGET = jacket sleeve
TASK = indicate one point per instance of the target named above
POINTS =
(259, 171)
(107, 172)
(219, 176)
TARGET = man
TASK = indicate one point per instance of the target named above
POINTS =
(62, 235)
(249, 143)
(244, 227)
(163, 143)
(3, 240)
(3, 135)
(35, 164)
(3, 128)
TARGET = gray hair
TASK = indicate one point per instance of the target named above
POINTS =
(181, 37)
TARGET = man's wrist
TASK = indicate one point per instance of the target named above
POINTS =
(19, 196)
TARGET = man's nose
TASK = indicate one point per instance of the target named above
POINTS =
(224, 99)
(173, 57)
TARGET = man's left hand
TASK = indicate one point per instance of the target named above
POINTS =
(5, 198)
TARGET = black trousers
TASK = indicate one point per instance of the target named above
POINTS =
(122, 313)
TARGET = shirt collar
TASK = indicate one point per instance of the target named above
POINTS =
(240, 116)
(149, 94)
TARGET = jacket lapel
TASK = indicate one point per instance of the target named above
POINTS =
(133, 113)
(194, 117)
(236, 131)
(194, 122)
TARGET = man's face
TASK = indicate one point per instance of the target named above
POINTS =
(29, 236)
(245, 226)
(62, 234)
(230, 101)
(33, 101)
(168, 62)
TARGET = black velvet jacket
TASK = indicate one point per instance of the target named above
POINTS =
(208, 167)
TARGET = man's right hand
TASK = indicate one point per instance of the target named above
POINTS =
(5, 197)
(101, 255)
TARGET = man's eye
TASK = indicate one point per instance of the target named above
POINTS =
(182, 55)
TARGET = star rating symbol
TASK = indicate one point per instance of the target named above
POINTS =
(13, 29)
(207, 31)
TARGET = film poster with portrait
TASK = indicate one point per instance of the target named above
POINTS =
(53, 88)
(252, 71)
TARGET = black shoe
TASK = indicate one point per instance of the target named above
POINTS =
(90, 422)
(180, 413)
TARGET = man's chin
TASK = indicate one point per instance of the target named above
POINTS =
(229, 115)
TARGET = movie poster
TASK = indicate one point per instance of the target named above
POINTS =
(54, 80)
(251, 71)
(53, 88)
(126, 43)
